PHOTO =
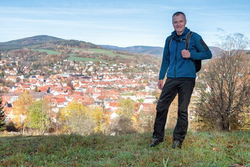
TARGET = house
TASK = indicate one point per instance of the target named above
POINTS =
(57, 103)
(9, 97)
(25, 86)
(12, 78)
(152, 86)
(59, 90)
(12, 72)
(86, 100)
(141, 95)
(149, 99)
(5, 89)
(112, 106)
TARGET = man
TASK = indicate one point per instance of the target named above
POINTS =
(181, 74)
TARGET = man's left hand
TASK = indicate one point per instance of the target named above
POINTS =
(185, 53)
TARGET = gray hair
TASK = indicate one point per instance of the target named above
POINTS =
(178, 13)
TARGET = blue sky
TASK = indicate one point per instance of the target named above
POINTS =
(121, 23)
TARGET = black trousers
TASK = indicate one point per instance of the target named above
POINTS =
(184, 87)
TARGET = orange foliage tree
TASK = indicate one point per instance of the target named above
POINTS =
(20, 109)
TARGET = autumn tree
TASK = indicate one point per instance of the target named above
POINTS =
(244, 122)
(20, 109)
(2, 117)
(122, 125)
(70, 84)
(127, 107)
(125, 123)
(75, 119)
(225, 91)
(97, 117)
(38, 115)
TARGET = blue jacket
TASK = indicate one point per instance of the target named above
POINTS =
(172, 61)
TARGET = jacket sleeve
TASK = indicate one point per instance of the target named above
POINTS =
(202, 51)
(165, 60)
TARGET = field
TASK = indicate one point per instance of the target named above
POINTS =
(99, 51)
(199, 149)
(49, 52)
(103, 51)
(108, 52)
(83, 59)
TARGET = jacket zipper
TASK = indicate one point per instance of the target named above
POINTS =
(175, 59)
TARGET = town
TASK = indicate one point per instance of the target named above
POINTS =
(91, 83)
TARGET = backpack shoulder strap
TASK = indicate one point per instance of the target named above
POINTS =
(197, 63)
(170, 40)
(189, 35)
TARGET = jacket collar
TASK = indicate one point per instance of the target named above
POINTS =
(182, 36)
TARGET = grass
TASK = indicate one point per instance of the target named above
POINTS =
(110, 53)
(199, 149)
(99, 51)
(49, 52)
(84, 59)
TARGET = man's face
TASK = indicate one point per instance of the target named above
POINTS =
(179, 23)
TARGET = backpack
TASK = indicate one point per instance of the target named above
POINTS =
(197, 63)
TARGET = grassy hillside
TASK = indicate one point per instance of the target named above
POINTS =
(199, 149)
(26, 42)
(83, 59)
(49, 52)
(109, 53)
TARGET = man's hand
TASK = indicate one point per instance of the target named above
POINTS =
(160, 84)
(185, 53)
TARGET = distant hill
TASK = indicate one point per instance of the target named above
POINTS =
(151, 50)
(20, 43)
(31, 42)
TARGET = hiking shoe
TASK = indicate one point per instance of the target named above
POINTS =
(176, 143)
(155, 142)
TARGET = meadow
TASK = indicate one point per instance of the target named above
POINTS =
(49, 52)
(72, 58)
(98, 51)
(199, 149)
(110, 53)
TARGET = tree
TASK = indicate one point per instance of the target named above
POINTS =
(75, 119)
(227, 84)
(122, 125)
(18, 79)
(245, 121)
(127, 105)
(38, 115)
(2, 117)
(36, 89)
(70, 84)
(20, 109)
(96, 113)
(140, 100)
